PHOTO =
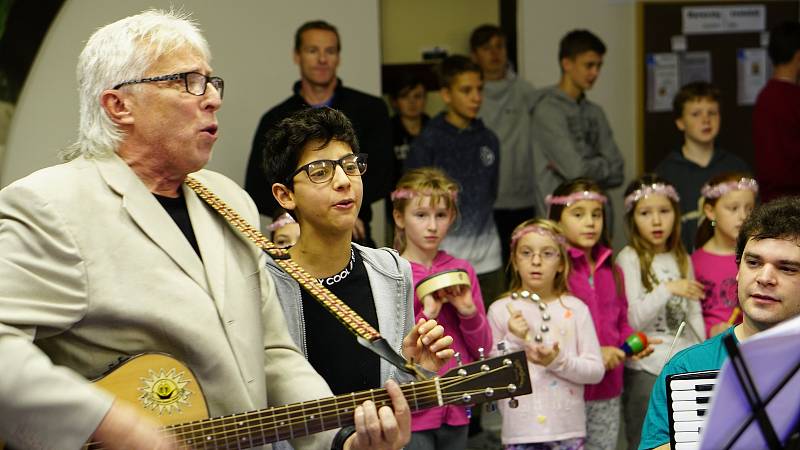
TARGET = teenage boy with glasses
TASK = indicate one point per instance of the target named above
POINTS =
(303, 157)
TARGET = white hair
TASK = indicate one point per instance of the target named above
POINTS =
(123, 51)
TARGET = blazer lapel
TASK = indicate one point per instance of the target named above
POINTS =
(148, 214)
(209, 230)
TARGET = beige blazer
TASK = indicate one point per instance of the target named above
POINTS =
(92, 269)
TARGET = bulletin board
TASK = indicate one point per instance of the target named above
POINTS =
(661, 31)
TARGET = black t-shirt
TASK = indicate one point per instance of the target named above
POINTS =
(176, 208)
(332, 348)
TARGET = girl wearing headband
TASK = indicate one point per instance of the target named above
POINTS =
(727, 200)
(424, 207)
(660, 287)
(284, 230)
(579, 207)
(556, 332)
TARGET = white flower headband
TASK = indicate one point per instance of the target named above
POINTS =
(718, 190)
(538, 230)
(575, 197)
(648, 190)
(411, 193)
(283, 219)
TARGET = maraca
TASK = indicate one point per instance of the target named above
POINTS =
(634, 344)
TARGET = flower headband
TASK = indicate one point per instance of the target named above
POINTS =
(648, 190)
(411, 193)
(718, 190)
(283, 219)
(575, 197)
(538, 230)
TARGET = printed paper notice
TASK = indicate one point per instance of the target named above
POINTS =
(662, 81)
(752, 71)
(695, 66)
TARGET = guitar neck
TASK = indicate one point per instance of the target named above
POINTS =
(481, 381)
(297, 420)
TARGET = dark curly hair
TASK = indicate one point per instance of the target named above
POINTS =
(286, 141)
(778, 219)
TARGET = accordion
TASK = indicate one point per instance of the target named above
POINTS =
(688, 400)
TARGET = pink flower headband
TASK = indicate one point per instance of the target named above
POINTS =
(575, 197)
(648, 190)
(283, 219)
(718, 190)
(538, 230)
(410, 193)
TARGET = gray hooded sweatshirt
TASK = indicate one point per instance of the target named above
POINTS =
(571, 139)
(507, 109)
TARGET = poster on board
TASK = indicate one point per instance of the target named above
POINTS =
(752, 69)
(663, 80)
(695, 66)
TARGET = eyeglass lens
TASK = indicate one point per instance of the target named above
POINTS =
(196, 83)
(322, 171)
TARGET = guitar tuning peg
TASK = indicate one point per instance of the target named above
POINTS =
(501, 347)
(457, 356)
(480, 354)
(513, 403)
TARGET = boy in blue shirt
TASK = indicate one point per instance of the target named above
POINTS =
(457, 142)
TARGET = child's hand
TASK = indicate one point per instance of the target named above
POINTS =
(612, 356)
(690, 289)
(431, 306)
(461, 299)
(517, 324)
(649, 350)
(542, 354)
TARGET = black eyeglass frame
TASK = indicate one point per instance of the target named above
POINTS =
(359, 158)
(217, 82)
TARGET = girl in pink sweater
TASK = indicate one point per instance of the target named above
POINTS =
(579, 207)
(727, 200)
(555, 329)
(424, 207)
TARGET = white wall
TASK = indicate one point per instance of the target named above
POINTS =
(251, 42)
(542, 23)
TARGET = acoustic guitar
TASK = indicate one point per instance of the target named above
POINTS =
(167, 390)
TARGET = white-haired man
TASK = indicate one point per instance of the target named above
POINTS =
(111, 254)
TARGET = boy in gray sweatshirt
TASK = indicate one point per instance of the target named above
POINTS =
(507, 109)
(571, 135)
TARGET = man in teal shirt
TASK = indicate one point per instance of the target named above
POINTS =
(768, 255)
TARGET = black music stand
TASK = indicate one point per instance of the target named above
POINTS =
(756, 405)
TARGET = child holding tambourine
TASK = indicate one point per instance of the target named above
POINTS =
(424, 207)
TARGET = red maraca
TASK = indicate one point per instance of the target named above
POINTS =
(634, 344)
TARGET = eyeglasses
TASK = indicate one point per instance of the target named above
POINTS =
(321, 171)
(547, 254)
(194, 82)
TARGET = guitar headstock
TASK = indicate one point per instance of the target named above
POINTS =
(486, 380)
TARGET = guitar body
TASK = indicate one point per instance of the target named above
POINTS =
(161, 386)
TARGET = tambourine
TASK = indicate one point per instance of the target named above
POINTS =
(441, 280)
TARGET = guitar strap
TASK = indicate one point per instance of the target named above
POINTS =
(365, 334)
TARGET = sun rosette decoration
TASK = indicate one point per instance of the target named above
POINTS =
(165, 392)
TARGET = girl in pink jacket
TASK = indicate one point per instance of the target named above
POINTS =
(727, 200)
(424, 207)
(579, 207)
